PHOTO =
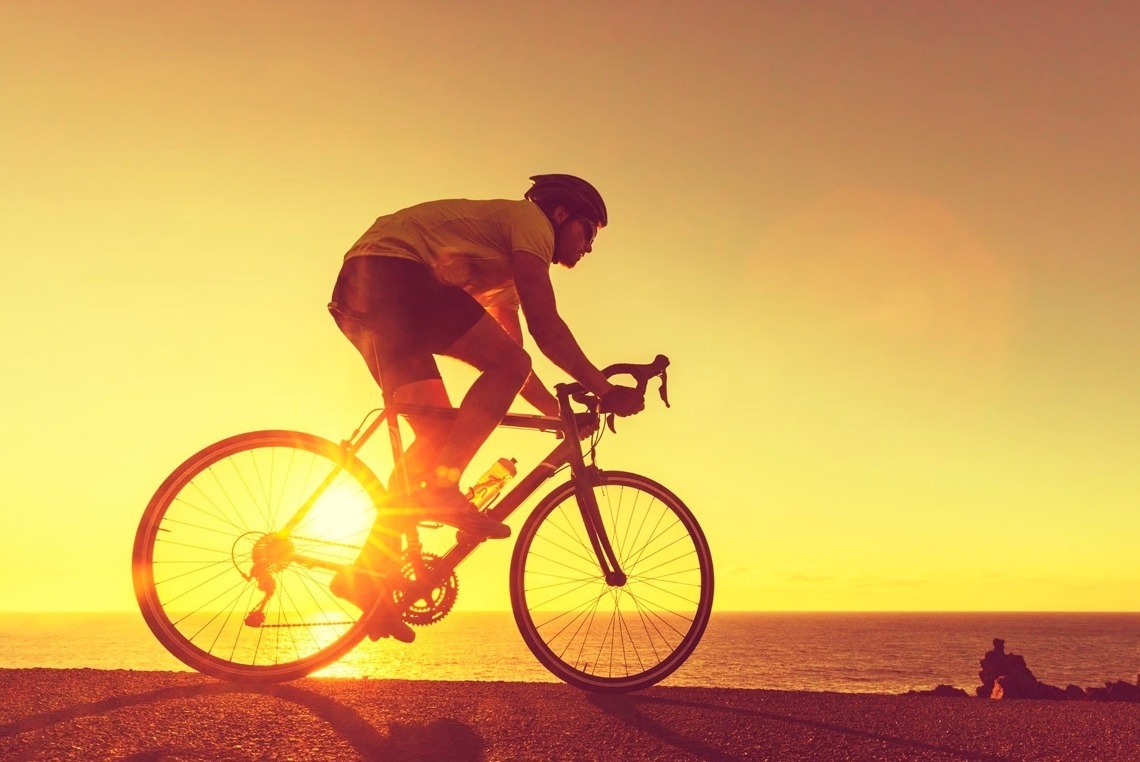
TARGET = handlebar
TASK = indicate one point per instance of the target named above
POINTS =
(642, 374)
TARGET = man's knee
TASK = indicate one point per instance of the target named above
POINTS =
(516, 364)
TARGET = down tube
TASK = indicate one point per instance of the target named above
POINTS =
(510, 502)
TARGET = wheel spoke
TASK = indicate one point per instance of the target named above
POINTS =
(603, 637)
(227, 594)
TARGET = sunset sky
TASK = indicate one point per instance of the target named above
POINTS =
(893, 250)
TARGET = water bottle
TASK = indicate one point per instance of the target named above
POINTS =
(487, 488)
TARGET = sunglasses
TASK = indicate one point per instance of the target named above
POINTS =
(589, 229)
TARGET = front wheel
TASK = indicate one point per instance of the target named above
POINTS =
(612, 638)
(232, 575)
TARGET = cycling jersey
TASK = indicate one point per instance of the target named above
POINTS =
(465, 243)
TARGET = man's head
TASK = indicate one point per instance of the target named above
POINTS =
(574, 208)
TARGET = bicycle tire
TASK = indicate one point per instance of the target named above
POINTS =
(612, 639)
(194, 549)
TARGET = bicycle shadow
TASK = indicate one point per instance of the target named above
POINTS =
(439, 739)
(628, 709)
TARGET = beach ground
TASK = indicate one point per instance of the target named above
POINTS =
(95, 714)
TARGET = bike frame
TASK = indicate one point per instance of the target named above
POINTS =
(569, 451)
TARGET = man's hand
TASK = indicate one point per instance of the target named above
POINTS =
(622, 401)
(587, 424)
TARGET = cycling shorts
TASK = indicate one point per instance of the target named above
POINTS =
(399, 315)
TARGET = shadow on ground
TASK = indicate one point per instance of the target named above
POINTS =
(630, 709)
(439, 739)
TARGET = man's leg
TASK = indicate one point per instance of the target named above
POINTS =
(430, 433)
(504, 367)
(442, 448)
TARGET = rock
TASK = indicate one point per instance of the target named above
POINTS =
(940, 690)
(997, 663)
(1115, 691)
(1006, 676)
(1018, 687)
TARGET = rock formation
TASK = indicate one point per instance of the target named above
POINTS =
(1006, 676)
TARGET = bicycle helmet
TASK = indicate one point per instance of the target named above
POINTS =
(574, 193)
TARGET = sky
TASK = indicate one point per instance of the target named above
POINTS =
(891, 250)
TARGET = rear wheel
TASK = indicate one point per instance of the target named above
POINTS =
(603, 637)
(219, 583)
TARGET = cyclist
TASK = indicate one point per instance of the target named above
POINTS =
(449, 278)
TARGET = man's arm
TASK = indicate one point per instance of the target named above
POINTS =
(533, 391)
(550, 332)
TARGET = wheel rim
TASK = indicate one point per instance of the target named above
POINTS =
(206, 556)
(607, 637)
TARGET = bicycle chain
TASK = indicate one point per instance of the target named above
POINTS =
(420, 613)
(264, 626)
(334, 544)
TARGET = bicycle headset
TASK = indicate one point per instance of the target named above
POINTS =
(578, 196)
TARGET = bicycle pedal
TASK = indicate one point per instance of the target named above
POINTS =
(467, 538)
(391, 627)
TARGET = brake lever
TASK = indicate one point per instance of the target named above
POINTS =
(663, 390)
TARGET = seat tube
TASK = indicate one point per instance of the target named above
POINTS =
(397, 444)
(390, 412)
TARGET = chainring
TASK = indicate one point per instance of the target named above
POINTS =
(441, 598)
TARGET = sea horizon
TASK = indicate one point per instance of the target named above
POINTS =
(841, 651)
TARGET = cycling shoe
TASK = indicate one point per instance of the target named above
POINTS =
(449, 506)
(362, 588)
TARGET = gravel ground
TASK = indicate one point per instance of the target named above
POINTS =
(95, 715)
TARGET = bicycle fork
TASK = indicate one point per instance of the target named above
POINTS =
(584, 482)
(585, 479)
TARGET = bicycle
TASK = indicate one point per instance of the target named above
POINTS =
(611, 577)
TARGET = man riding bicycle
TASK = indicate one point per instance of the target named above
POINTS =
(449, 278)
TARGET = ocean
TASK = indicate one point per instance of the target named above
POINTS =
(844, 652)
